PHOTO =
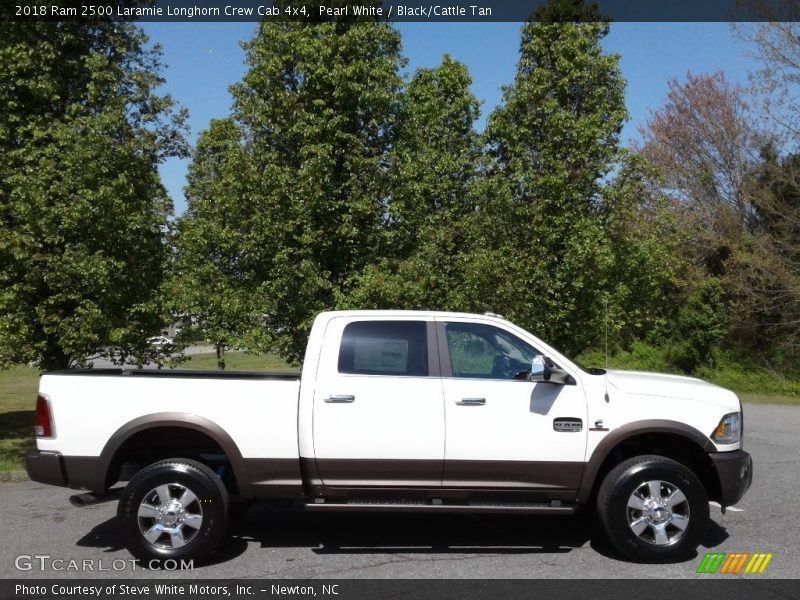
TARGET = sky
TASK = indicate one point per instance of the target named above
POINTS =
(204, 59)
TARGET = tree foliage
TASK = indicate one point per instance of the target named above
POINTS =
(217, 269)
(543, 255)
(764, 269)
(649, 272)
(434, 165)
(82, 209)
(735, 196)
(704, 144)
(317, 111)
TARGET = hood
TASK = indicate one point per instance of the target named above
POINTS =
(640, 383)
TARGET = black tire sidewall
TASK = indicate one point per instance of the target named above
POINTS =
(202, 482)
(628, 479)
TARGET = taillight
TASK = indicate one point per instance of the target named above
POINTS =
(43, 426)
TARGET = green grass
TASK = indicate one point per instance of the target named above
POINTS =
(238, 361)
(18, 388)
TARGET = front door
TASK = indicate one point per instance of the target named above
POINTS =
(378, 406)
(503, 431)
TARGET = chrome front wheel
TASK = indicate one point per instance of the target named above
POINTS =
(653, 509)
(658, 512)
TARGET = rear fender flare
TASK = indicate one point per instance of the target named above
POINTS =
(185, 420)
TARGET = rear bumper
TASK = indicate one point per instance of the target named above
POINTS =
(76, 472)
(46, 467)
(735, 472)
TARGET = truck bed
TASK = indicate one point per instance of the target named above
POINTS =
(91, 406)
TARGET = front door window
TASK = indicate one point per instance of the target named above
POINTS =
(486, 352)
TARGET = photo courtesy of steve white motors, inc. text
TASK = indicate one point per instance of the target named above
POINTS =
(172, 589)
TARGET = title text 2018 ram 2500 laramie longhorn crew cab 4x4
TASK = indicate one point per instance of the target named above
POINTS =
(404, 411)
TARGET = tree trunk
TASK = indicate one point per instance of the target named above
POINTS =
(221, 356)
(54, 359)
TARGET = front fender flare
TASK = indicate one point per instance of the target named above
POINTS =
(627, 431)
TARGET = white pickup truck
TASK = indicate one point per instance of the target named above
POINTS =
(398, 411)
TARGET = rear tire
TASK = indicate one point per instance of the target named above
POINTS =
(653, 509)
(173, 509)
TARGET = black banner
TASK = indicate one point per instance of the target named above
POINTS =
(390, 10)
(360, 589)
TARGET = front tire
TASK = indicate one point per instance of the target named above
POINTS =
(173, 509)
(653, 509)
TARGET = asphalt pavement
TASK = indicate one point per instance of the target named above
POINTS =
(37, 520)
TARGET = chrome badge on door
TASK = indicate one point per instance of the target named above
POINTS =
(567, 424)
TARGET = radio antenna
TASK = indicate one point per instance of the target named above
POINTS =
(605, 306)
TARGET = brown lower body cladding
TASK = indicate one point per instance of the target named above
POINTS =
(413, 479)
(339, 478)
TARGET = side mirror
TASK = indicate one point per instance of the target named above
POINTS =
(538, 369)
(545, 371)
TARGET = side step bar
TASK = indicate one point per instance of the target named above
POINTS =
(518, 508)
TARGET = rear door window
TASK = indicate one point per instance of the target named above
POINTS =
(384, 348)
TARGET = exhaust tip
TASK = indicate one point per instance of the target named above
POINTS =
(89, 498)
(81, 500)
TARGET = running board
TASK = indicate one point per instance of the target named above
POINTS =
(423, 507)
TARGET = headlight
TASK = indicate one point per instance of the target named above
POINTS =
(729, 430)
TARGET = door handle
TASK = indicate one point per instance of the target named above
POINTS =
(471, 402)
(340, 398)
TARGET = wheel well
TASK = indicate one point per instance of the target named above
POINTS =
(678, 448)
(158, 443)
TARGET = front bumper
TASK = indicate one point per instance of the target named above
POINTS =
(46, 467)
(735, 472)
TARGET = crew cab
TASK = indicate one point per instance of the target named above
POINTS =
(398, 411)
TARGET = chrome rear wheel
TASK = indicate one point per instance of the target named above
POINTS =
(173, 509)
(170, 516)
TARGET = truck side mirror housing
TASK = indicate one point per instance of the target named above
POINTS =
(538, 368)
(545, 371)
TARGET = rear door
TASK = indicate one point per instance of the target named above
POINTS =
(378, 405)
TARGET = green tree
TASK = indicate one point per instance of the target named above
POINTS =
(83, 213)
(649, 269)
(215, 271)
(763, 271)
(435, 162)
(317, 109)
(544, 255)
(700, 327)
(735, 189)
